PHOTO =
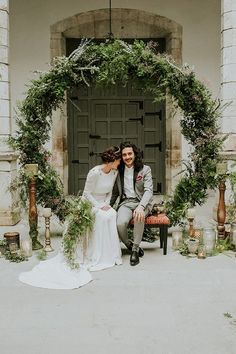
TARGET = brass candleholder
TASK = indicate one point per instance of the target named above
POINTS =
(47, 214)
(221, 170)
(221, 211)
(190, 216)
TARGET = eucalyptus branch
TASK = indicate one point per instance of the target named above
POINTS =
(79, 52)
(83, 78)
(127, 47)
(174, 66)
(74, 104)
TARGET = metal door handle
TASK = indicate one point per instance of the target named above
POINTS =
(75, 161)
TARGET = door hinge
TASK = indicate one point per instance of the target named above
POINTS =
(159, 145)
(94, 153)
(137, 119)
(94, 136)
(159, 114)
(159, 187)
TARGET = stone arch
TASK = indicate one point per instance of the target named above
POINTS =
(126, 23)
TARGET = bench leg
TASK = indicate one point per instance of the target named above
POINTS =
(163, 238)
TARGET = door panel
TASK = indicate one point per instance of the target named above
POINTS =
(78, 144)
(109, 122)
(154, 142)
(100, 117)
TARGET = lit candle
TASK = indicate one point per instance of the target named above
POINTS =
(191, 213)
(31, 169)
(201, 255)
(47, 212)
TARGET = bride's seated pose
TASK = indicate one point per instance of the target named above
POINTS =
(103, 246)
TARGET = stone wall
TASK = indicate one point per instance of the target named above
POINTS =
(9, 212)
(228, 74)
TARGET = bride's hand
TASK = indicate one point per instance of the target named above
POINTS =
(106, 207)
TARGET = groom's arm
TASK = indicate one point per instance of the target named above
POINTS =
(148, 188)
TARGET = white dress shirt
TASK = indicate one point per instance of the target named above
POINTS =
(129, 182)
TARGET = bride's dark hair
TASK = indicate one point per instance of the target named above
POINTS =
(111, 154)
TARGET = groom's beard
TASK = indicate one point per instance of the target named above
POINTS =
(129, 162)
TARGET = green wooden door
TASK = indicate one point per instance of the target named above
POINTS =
(96, 123)
(98, 118)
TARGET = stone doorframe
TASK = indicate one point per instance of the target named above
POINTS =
(126, 23)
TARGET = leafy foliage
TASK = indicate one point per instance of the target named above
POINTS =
(42, 255)
(223, 245)
(106, 64)
(11, 257)
(79, 221)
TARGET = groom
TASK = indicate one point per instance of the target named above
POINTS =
(134, 188)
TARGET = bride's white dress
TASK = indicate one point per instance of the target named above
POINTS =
(103, 246)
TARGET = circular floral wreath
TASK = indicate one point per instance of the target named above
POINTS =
(106, 64)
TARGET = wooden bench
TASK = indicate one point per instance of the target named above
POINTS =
(161, 221)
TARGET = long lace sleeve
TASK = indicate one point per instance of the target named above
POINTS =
(109, 194)
(89, 187)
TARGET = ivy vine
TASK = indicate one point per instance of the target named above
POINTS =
(79, 222)
(106, 64)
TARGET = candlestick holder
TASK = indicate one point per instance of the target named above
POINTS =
(47, 214)
(221, 170)
(190, 229)
(31, 171)
(221, 210)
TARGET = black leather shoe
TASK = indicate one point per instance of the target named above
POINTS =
(134, 258)
(140, 252)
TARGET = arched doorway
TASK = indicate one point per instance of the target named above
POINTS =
(127, 24)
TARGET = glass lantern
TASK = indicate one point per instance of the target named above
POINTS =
(26, 247)
(177, 239)
(209, 240)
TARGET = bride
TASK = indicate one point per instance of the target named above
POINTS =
(103, 249)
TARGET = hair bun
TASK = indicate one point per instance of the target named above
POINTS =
(111, 154)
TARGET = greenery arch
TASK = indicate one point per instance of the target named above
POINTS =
(106, 64)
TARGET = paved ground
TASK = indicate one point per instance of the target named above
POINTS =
(165, 305)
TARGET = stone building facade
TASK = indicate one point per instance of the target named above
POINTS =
(9, 212)
(140, 22)
(228, 74)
